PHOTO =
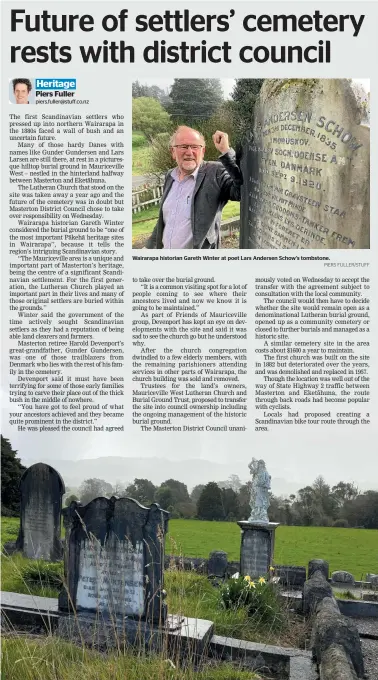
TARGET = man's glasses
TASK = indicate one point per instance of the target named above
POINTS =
(185, 147)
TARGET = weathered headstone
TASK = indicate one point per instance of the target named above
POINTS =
(306, 167)
(217, 565)
(115, 563)
(257, 548)
(290, 576)
(343, 577)
(42, 489)
(373, 579)
(257, 540)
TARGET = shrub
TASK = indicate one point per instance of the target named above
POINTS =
(341, 523)
(40, 573)
(345, 595)
(259, 597)
(139, 140)
(7, 512)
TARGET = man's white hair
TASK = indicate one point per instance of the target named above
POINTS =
(180, 129)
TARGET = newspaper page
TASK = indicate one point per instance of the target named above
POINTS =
(237, 386)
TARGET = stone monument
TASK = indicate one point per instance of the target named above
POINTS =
(42, 489)
(306, 167)
(114, 569)
(257, 542)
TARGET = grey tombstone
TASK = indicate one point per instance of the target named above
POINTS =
(42, 489)
(115, 562)
(257, 541)
(217, 565)
(257, 548)
(306, 167)
(373, 579)
(290, 576)
(343, 577)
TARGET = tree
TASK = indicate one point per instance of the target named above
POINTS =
(196, 492)
(232, 482)
(280, 509)
(164, 496)
(94, 488)
(244, 96)
(209, 505)
(119, 489)
(141, 490)
(230, 504)
(153, 91)
(150, 117)
(362, 511)
(72, 497)
(186, 510)
(245, 500)
(343, 492)
(179, 490)
(11, 473)
(195, 99)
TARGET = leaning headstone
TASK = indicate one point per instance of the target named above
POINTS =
(42, 489)
(115, 568)
(306, 167)
(217, 565)
(343, 577)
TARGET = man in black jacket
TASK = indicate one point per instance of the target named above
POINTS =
(195, 192)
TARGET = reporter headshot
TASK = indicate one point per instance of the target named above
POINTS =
(21, 90)
(195, 192)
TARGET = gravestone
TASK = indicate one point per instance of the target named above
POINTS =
(115, 562)
(217, 565)
(257, 548)
(306, 167)
(343, 577)
(41, 489)
(290, 576)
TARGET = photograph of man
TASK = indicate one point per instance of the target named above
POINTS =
(195, 192)
(21, 90)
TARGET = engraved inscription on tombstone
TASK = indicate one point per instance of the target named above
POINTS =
(255, 554)
(42, 489)
(306, 167)
(115, 562)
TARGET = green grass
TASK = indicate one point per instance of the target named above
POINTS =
(144, 221)
(53, 659)
(353, 550)
(141, 154)
(344, 595)
(193, 595)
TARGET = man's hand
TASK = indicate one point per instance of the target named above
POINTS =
(220, 140)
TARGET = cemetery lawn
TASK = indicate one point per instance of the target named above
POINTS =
(353, 550)
(50, 658)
